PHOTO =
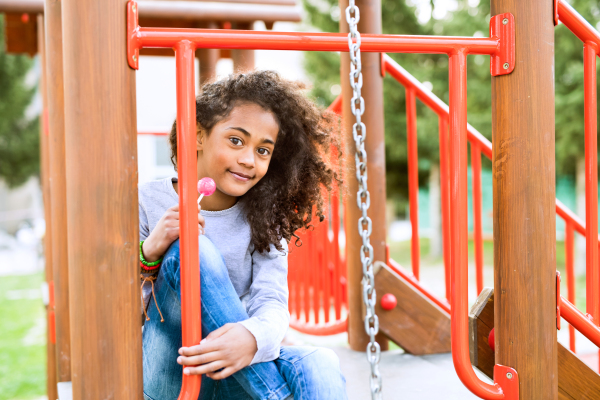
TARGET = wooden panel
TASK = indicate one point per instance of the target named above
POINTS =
(20, 33)
(576, 381)
(416, 324)
(102, 198)
(524, 202)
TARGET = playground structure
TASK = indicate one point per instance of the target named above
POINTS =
(103, 330)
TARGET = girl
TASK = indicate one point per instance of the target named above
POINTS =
(263, 143)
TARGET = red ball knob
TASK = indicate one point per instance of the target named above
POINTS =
(491, 341)
(388, 301)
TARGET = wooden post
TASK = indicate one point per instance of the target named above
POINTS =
(243, 60)
(372, 92)
(45, 183)
(524, 203)
(208, 58)
(102, 213)
(56, 125)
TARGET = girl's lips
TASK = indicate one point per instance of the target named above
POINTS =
(239, 177)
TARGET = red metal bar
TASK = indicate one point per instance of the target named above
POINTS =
(477, 229)
(413, 178)
(459, 229)
(154, 131)
(581, 322)
(445, 197)
(569, 258)
(590, 49)
(397, 268)
(191, 327)
(577, 24)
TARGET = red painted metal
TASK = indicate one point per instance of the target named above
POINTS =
(445, 203)
(388, 301)
(558, 300)
(191, 327)
(508, 379)
(397, 268)
(577, 24)
(569, 261)
(580, 321)
(502, 26)
(477, 228)
(492, 340)
(555, 5)
(590, 50)
(154, 131)
(413, 178)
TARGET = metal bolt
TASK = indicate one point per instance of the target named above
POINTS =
(133, 9)
(134, 58)
(509, 375)
(505, 66)
(505, 21)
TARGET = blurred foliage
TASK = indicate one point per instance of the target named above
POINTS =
(19, 135)
(467, 18)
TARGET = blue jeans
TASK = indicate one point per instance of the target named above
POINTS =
(302, 372)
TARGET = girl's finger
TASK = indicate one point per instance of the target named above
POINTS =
(199, 359)
(204, 369)
(226, 372)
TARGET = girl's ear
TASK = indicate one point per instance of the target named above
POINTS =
(199, 137)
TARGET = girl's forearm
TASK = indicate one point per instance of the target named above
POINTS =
(151, 250)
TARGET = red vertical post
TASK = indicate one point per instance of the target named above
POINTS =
(186, 161)
(569, 258)
(477, 230)
(445, 194)
(413, 178)
(591, 182)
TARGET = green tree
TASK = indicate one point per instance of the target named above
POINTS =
(19, 135)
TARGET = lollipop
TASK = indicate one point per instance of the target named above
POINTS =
(206, 186)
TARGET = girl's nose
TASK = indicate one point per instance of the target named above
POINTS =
(247, 159)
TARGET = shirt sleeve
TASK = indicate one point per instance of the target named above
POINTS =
(267, 304)
(144, 225)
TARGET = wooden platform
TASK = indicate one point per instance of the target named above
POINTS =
(576, 381)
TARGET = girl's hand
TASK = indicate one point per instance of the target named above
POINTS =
(229, 349)
(165, 233)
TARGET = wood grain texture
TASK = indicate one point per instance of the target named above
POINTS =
(56, 126)
(524, 202)
(576, 381)
(21, 37)
(45, 184)
(102, 213)
(416, 324)
(372, 92)
(208, 58)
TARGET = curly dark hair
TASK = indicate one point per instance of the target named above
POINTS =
(284, 200)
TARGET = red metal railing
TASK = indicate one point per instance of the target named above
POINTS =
(500, 46)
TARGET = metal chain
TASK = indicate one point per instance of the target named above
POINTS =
(363, 198)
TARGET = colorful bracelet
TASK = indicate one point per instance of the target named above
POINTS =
(149, 269)
(147, 264)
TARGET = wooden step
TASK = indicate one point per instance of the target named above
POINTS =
(416, 324)
(576, 381)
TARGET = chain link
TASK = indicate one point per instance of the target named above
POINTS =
(363, 198)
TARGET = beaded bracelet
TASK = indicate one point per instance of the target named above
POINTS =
(148, 266)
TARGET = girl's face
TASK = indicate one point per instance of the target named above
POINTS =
(236, 153)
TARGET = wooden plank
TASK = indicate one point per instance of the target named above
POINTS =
(20, 33)
(524, 202)
(576, 381)
(102, 198)
(416, 324)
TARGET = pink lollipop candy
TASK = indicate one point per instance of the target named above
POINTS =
(206, 187)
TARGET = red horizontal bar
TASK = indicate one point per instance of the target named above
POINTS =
(316, 41)
(578, 25)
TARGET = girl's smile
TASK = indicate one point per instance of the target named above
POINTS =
(236, 153)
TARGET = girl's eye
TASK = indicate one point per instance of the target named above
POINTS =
(264, 152)
(235, 141)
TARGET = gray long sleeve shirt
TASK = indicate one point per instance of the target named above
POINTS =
(260, 280)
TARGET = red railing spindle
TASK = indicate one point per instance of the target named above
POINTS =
(569, 261)
(477, 229)
(590, 50)
(445, 203)
(413, 177)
